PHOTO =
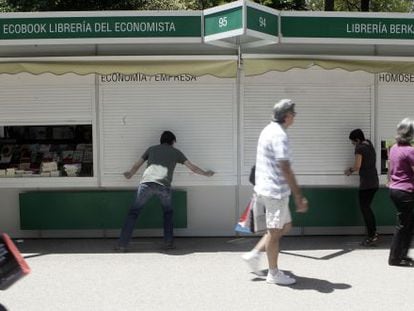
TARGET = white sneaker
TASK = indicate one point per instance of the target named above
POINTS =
(279, 278)
(252, 261)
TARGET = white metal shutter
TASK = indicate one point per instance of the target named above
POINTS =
(329, 105)
(395, 102)
(201, 114)
(46, 99)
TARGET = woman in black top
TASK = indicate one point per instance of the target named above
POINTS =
(365, 165)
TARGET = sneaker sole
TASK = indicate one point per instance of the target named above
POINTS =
(281, 284)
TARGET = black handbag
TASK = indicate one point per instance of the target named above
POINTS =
(252, 176)
(12, 265)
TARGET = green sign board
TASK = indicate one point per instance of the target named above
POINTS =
(241, 18)
(347, 27)
(223, 21)
(262, 21)
(100, 27)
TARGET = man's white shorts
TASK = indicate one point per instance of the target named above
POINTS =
(277, 211)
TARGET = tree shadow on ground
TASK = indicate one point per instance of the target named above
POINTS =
(291, 245)
(326, 257)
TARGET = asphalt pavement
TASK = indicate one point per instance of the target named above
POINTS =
(332, 272)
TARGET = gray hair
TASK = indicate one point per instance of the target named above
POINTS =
(405, 131)
(281, 109)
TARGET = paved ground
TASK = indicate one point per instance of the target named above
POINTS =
(333, 273)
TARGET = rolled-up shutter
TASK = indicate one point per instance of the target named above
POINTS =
(46, 99)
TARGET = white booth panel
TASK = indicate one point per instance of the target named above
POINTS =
(395, 102)
(329, 105)
(201, 113)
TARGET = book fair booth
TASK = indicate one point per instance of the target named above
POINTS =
(83, 94)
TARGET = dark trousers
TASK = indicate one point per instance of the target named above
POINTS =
(404, 203)
(365, 197)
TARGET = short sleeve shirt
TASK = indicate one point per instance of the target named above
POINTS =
(368, 175)
(272, 147)
(401, 162)
(161, 161)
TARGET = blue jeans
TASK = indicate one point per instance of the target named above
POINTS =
(144, 193)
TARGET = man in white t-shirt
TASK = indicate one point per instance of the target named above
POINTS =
(274, 182)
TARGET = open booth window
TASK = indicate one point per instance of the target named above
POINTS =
(46, 150)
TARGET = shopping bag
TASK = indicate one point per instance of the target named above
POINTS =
(259, 216)
(253, 219)
(246, 224)
(12, 265)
